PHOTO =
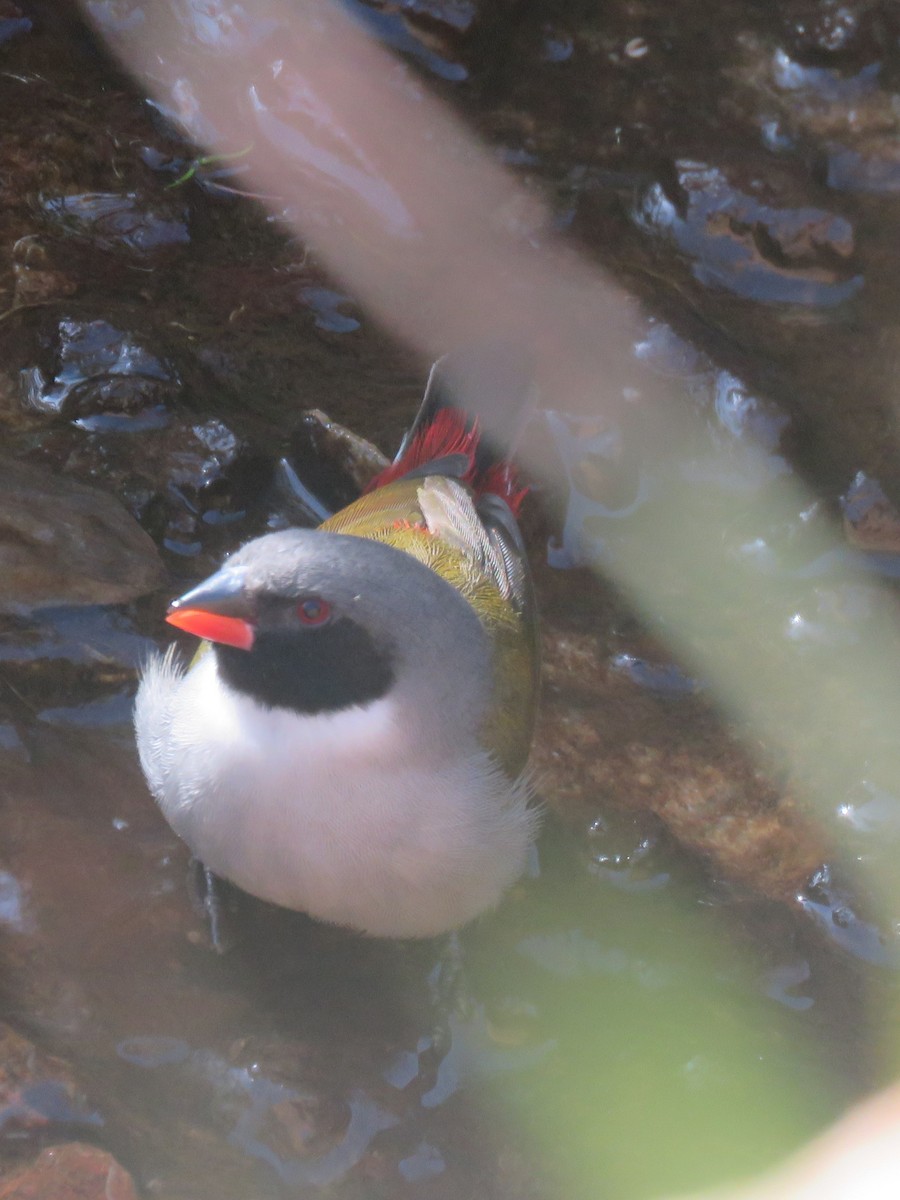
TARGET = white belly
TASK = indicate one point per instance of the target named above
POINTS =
(337, 815)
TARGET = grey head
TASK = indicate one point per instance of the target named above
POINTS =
(334, 621)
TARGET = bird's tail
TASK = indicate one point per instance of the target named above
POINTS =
(477, 402)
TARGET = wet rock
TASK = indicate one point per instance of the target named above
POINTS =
(457, 14)
(852, 114)
(828, 31)
(303, 1127)
(37, 1091)
(871, 167)
(193, 484)
(327, 304)
(760, 251)
(330, 461)
(410, 39)
(610, 740)
(840, 915)
(190, 483)
(185, 456)
(111, 221)
(622, 848)
(71, 665)
(101, 375)
(811, 349)
(37, 279)
(70, 1172)
(64, 543)
(310, 1135)
(871, 522)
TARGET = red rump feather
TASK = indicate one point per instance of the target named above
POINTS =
(447, 434)
(451, 433)
(502, 479)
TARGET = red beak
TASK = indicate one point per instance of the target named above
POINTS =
(228, 631)
(218, 609)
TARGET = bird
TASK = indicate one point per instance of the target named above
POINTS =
(351, 739)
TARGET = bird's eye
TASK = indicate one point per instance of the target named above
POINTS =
(313, 610)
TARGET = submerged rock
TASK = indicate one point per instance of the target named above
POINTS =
(37, 277)
(113, 221)
(36, 1091)
(64, 543)
(70, 1172)
(326, 463)
(610, 742)
(769, 252)
(101, 372)
(871, 522)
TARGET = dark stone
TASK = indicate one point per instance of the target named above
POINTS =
(64, 543)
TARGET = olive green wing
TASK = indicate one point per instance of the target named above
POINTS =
(475, 545)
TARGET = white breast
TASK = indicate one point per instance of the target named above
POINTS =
(338, 815)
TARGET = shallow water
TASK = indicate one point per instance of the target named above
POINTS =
(652, 1008)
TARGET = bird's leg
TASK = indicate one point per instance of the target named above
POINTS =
(447, 979)
(209, 897)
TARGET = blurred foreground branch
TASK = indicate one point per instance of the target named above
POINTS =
(858, 1159)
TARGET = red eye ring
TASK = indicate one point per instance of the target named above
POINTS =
(313, 610)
